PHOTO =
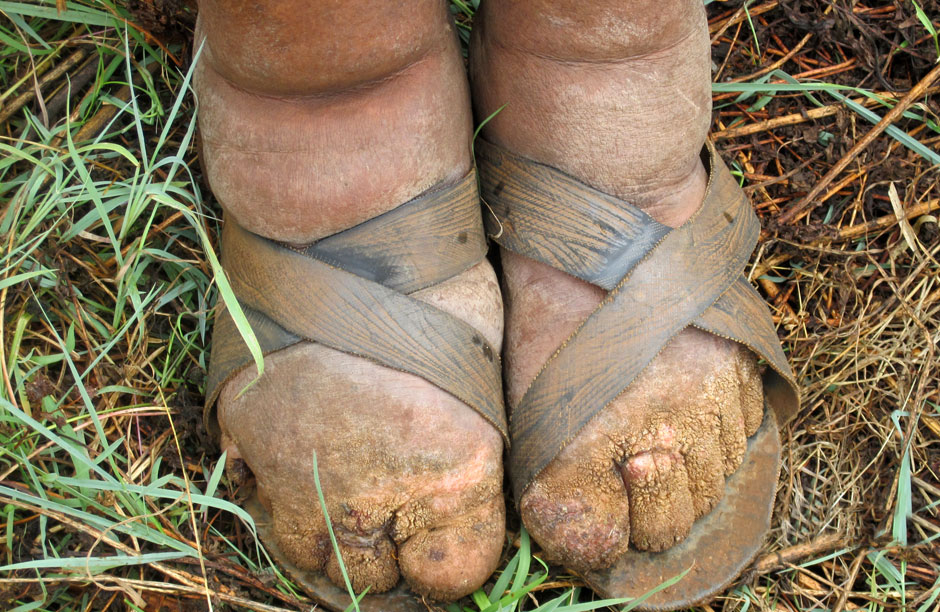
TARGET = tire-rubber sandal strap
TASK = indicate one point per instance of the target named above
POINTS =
(446, 219)
(551, 217)
(348, 292)
(679, 276)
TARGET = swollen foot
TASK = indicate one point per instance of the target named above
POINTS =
(303, 137)
(412, 477)
(653, 461)
(619, 100)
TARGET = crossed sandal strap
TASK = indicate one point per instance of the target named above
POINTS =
(690, 275)
(349, 291)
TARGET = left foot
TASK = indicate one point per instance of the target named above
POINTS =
(616, 95)
(315, 117)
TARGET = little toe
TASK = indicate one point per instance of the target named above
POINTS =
(302, 536)
(751, 390)
(661, 505)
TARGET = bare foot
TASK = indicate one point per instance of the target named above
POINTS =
(617, 95)
(315, 117)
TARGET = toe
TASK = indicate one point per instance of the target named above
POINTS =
(660, 499)
(703, 462)
(451, 561)
(751, 390)
(722, 391)
(578, 513)
(733, 437)
(370, 563)
(302, 536)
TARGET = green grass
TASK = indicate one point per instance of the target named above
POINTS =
(924, 20)
(779, 82)
(104, 268)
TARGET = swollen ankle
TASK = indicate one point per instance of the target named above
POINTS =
(297, 169)
(633, 128)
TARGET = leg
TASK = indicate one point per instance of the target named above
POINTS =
(316, 117)
(617, 95)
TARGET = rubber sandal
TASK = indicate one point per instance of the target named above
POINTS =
(349, 291)
(546, 215)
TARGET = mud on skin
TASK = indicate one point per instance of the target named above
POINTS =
(613, 93)
(303, 136)
(617, 95)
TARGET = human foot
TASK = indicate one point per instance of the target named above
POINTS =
(304, 135)
(617, 96)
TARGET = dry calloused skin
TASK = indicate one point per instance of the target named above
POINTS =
(315, 117)
(412, 477)
(616, 94)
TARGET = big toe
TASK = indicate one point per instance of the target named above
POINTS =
(579, 513)
(453, 559)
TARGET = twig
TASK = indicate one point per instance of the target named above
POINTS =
(803, 206)
(783, 177)
(149, 585)
(782, 558)
(853, 574)
(244, 576)
(37, 70)
(75, 82)
(854, 231)
(47, 78)
(796, 118)
(780, 62)
(717, 29)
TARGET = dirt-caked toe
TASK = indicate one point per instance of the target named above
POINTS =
(450, 560)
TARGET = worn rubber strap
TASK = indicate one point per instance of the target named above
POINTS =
(682, 276)
(546, 215)
(421, 243)
(447, 222)
(292, 296)
(551, 217)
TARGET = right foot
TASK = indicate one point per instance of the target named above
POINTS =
(306, 134)
(617, 95)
